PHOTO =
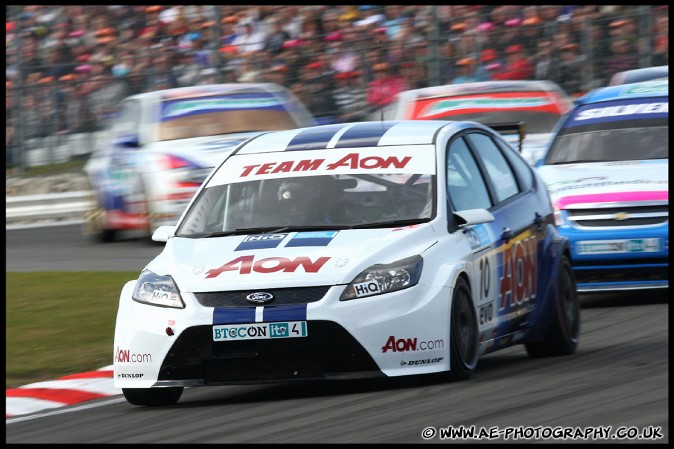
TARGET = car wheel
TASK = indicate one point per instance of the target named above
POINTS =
(93, 226)
(149, 213)
(152, 397)
(563, 334)
(463, 340)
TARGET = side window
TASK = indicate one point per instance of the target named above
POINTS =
(465, 186)
(128, 119)
(498, 169)
(521, 167)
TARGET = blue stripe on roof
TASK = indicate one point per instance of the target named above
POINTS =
(364, 135)
(315, 138)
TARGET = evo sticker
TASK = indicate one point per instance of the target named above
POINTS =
(260, 241)
(317, 238)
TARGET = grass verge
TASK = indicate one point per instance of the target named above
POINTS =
(73, 166)
(59, 323)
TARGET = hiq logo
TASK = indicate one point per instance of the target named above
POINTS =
(367, 288)
(261, 241)
(258, 238)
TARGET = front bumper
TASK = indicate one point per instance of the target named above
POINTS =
(328, 352)
(615, 260)
(156, 346)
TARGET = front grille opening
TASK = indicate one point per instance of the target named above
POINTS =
(621, 223)
(282, 296)
(328, 350)
(581, 217)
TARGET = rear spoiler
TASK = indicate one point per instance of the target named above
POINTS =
(509, 128)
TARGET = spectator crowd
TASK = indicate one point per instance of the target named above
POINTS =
(68, 67)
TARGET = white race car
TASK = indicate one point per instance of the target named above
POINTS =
(371, 249)
(163, 144)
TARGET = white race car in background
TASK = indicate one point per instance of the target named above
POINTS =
(538, 104)
(163, 144)
(370, 249)
(607, 171)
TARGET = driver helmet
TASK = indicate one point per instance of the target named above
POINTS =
(298, 197)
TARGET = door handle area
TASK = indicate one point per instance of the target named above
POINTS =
(507, 234)
(538, 221)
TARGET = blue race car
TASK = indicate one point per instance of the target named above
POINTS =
(607, 173)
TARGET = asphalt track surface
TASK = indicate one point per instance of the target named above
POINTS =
(617, 379)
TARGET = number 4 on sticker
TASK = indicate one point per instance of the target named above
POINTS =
(298, 328)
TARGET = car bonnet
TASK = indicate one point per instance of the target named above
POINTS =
(202, 152)
(617, 181)
(281, 260)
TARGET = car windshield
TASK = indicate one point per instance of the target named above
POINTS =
(311, 203)
(611, 145)
(223, 114)
(617, 130)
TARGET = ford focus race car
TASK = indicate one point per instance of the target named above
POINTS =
(607, 174)
(370, 249)
(164, 143)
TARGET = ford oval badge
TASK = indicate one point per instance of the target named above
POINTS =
(260, 298)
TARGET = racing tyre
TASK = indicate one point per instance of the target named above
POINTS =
(563, 334)
(93, 226)
(153, 397)
(147, 237)
(463, 339)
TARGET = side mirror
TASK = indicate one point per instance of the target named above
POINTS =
(163, 233)
(130, 141)
(473, 217)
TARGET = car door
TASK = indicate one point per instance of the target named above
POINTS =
(505, 251)
(466, 190)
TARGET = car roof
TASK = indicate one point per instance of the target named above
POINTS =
(654, 88)
(639, 75)
(209, 89)
(483, 87)
(350, 135)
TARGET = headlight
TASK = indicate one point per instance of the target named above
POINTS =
(559, 217)
(557, 214)
(379, 279)
(157, 291)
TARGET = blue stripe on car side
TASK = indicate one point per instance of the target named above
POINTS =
(316, 138)
(364, 134)
(284, 313)
(234, 315)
